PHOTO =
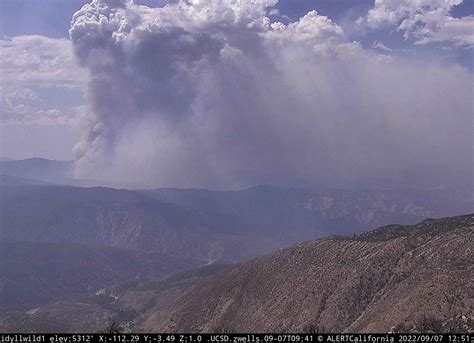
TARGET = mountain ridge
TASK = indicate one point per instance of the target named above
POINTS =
(122, 218)
(412, 278)
(338, 284)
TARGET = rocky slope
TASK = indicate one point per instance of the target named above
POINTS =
(394, 278)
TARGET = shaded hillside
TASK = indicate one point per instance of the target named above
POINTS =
(93, 311)
(300, 214)
(61, 316)
(403, 277)
(124, 219)
(33, 274)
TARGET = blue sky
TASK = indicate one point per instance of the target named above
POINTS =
(45, 112)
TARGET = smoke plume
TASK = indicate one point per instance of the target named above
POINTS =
(214, 94)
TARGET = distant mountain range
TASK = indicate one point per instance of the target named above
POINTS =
(296, 214)
(60, 244)
(220, 226)
(123, 219)
(49, 171)
(39, 169)
(215, 226)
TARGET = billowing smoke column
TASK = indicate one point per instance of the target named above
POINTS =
(213, 94)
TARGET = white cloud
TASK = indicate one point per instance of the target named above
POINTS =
(32, 67)
(381, 46)
(274, 12)
(459, 31)
(427, 21)
(28, 114)
(39, 61)
(311, 29)
(197, 14)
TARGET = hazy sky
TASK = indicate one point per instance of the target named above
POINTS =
(227, 93)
